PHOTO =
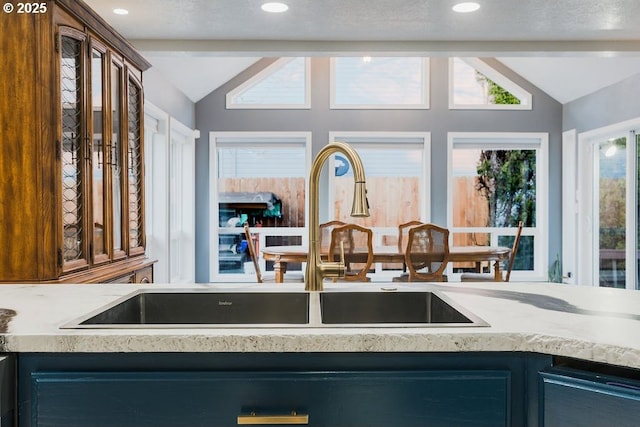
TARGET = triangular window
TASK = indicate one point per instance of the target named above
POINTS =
(473, 84)
(283, 84)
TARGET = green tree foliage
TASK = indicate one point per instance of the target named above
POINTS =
(497, 94)
(506, 179)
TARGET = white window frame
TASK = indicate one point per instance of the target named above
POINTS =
(250, 139)
(182, 202)
(424, 105)
(388, 140)
(570, 207)
(170, 215)
(156, 152)
(263, 74)
(504, 141)
(526, 101)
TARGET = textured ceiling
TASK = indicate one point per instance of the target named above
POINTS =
(376, 20)
(184, 37)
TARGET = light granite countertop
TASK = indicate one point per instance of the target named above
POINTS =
(596, 324)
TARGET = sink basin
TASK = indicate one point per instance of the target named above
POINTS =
(420, 308)
(196, 308)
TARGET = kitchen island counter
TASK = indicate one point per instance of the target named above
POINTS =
(594, 324)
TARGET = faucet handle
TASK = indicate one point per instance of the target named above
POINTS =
(333, 269)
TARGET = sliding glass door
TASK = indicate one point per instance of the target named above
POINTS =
(610, 210)
(611, 206)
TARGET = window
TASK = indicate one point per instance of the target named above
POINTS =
(170, 196)
(259, 178)
(380, 82)
(182, 202)
(473, 84)
(283, 84)
(396, 165)
(495, 181)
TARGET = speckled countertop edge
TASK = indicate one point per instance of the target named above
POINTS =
(601, 325)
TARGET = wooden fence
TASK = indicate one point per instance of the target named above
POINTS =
(392, 201)
(289, 190)
(470, 209)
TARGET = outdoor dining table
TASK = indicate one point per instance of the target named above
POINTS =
(282, 255)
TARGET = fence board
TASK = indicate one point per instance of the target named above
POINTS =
(289, 190)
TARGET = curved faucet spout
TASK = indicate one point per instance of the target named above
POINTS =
(316, 269)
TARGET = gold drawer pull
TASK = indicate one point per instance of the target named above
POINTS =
(255, 419)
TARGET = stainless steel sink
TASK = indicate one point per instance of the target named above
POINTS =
(420, 308)
(197, 308)
(200, 309)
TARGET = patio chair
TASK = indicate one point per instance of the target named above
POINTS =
(289, 277)
(490, 277)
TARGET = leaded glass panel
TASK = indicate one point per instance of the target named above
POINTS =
(71, 156)
(135, 175)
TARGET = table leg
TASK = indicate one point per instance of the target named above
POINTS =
(279, 268)
(497, 273)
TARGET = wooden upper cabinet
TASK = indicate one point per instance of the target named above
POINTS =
(71, 131)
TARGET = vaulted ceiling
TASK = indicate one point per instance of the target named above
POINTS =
(567, 48)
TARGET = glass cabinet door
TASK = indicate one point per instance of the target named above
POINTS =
(135, 173)
(117, 155)
(99, 246)
(74, 248)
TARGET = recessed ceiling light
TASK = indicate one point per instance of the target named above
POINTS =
(466, 7)
(120, 11)
(275, 7)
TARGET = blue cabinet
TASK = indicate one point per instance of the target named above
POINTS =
(7, 390)
(337, 399)
(572, 397)
(320, 389)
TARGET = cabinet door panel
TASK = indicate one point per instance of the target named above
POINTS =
(117, 156)
(7, 390)
(581, 401)
(72, 147)
(135, 165)
(98, 150)
(336, 399)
